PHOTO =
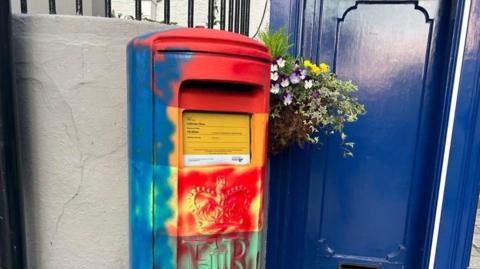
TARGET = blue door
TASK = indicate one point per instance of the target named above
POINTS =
(373, 210)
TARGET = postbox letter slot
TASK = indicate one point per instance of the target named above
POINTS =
(221, 96)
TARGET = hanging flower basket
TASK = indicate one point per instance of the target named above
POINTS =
(306, 99)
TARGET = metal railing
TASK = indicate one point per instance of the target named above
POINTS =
(12, 231)
(237, 20)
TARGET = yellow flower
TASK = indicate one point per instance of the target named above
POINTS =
(324, 68)
(316, 70)
(307, 64)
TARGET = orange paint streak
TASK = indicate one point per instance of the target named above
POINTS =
(175, 116)
(259, 139)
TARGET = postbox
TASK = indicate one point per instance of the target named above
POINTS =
(198, 115)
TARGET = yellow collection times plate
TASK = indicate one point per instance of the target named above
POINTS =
(215, 138)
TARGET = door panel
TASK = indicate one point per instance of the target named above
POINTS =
(373, 209)
(383, 49)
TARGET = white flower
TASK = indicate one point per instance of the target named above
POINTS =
(273, 68)
(285, 82)
(275, 89)
(281, 62)
(287, 99)
(274, 76)
(308, 84)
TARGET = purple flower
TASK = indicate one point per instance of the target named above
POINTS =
(316, 94)
(294, 78)
(303, 73)
(287, 98)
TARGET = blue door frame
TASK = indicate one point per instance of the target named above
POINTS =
(463, 171)
(460, 186)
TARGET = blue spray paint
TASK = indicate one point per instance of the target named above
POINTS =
(149, 147)
(167, 72)
(140, 131)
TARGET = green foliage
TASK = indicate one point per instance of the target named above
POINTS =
(276, 42)
(306, 99)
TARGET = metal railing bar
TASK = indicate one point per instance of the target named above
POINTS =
(190, 13)
(12, 227)
(51, 7)
(108, 8)
(79, 7)
(247, 17)
(237, 16)
(210, 14)
(242, 17)
(166, 11)
(223, 4)
(138, 9)
(230, 15)
(23, 6)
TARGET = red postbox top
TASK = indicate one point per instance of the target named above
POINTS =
(188, 61)
(198, 68)
(210, 41)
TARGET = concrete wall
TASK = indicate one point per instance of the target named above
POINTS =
(71, 87)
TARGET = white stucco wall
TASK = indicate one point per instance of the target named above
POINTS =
(71, 85)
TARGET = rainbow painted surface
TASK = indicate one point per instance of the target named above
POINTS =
(207, 216)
